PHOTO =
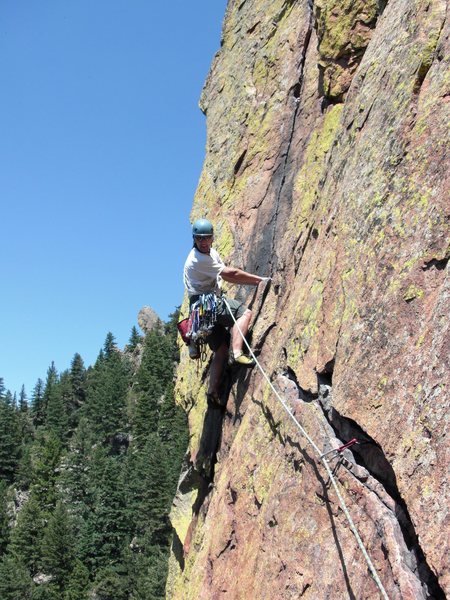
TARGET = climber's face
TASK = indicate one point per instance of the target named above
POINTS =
(204, 243)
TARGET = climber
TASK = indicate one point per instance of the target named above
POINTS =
(203, 272)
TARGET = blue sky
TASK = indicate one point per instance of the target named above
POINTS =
(101, 147)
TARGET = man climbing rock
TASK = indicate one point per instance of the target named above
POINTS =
(203, 272)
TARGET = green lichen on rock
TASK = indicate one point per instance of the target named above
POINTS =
(181, 514)
(412, 293)
(180, 519)
(342, 25)
(223, 239)
(262, 481)
(427, 51)
(188, 584)
(310, 315)
(344, 29)
(196, 416)
(306, 184)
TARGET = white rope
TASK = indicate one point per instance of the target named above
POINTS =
(322, 458)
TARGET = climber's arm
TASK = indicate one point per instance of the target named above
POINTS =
(235, 275)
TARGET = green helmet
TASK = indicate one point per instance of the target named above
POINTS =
(202, 228)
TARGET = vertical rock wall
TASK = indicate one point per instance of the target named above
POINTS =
(326, 168)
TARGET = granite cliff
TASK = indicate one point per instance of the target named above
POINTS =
(326, 168)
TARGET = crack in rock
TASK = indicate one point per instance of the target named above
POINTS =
(369, 455)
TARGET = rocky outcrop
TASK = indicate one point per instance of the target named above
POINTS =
(148, 319)
(327, 169)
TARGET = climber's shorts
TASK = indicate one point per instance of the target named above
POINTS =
(223, 314)
(220, 334)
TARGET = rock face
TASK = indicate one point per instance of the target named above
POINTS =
(148, 319)
(327, 168)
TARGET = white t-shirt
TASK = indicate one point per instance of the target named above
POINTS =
(202, 272)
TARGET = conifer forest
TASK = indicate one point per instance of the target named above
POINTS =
(89, 465)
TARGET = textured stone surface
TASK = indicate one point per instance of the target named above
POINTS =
(327, 168)
(344, 30)
(148, 319)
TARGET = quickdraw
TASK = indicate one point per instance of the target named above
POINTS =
(203, 317)
(195, 329)
(336, 451)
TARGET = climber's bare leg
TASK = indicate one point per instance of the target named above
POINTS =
(244, 324)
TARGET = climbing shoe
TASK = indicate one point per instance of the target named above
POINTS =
(242, 359)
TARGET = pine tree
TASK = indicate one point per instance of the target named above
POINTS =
(23, 404)
(151, 575)
(107, 391)
(149, 491)
(49, 389)
(78, 584)
(25, 424)
(56, 393)
(75, 478)
(174, 434)
(100, 358)
(110, 586)
(46, 455)
(78, 378)
(37, 403)
(78, 385)
(27, 535)
(46, 591)
(24, 475)
(10, 439)
(171, 331)
(146, 417)
(109, 347)
(58, 552)
(10, 400)
(134, 340)
(57, 419)
(107, 524)
(153, 376)
(4, 527)
(156, 369)
(65, 390)
(15, 581)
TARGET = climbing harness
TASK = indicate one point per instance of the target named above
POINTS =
(323, 459)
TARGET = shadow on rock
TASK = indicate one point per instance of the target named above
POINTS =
(212, 428)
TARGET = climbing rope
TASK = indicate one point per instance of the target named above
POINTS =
(322, 458)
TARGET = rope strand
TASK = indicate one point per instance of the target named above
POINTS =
(322, 459)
